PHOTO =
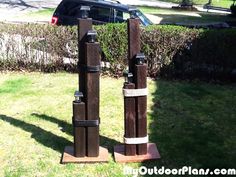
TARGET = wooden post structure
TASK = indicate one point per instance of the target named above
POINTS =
(130, 116)
(140, 79)
(83, 27)
(79, 132)
(133, 42)
(92, 62)
(136, 147)
(86, 105)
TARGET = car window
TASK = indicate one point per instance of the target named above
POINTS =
(144, 20)
(100, 13)
(121, 16)
(69, 8)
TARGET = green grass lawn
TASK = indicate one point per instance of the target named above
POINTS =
(192, 124)
(218, 3)
(171, 16)
(222, 3)
(45, 12)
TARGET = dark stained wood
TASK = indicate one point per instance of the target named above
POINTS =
(133, 42)
(152, 154)
(83, 27)
(79, 132)
(140, 79)
(130, 122)
(68, 156)
(92, 58)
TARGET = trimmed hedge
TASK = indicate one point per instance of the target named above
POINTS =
(35, 47)
(233, 8)
(172, 51)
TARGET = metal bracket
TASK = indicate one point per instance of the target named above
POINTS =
(89, 69)
(85, 123)
(128, 77)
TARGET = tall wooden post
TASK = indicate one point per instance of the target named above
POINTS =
(92, 60)
(133, 42)
(140, 75)
(136, 147)
(130, 113)
(79, 112)
(83, 27)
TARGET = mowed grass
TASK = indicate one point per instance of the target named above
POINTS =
(217, 3)
(222, 3)
(171, 16)
(44, 12)
(44, 15)
(192, 124)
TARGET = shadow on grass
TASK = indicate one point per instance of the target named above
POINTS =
(44, 137)
(193, 124)
(68, 129)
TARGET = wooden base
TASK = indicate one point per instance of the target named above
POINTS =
(120, 157)
(68, 156)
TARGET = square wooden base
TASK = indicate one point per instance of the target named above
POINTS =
(68, 156)
(120, 156)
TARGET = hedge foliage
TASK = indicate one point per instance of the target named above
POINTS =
(233, 8)
(171, 51)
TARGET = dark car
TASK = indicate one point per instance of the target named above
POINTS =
(101, 11)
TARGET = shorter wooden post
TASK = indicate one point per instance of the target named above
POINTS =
(130, 122)
(79, 132)
(92, 60)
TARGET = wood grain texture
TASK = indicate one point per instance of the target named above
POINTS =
(92, 85)
(152, 154)
(141, 106)
(83, 27)
(68, 157)
(79, 132)
(130, 122)
(133, 42)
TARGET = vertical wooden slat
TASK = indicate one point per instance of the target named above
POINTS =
(92, 58)
(83, 27)
(130, 122)
(140, 79)
(79, 132)
(133, 42)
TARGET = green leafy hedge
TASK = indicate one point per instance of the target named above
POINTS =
(233, 9)
(171, 51)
